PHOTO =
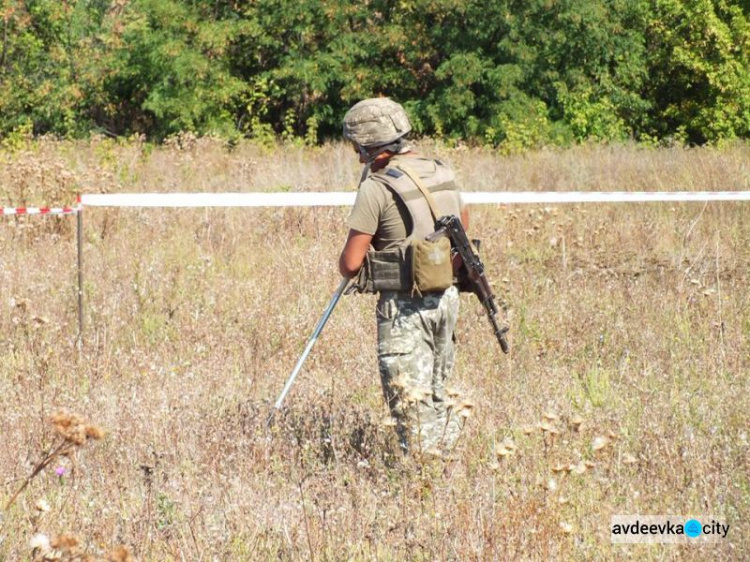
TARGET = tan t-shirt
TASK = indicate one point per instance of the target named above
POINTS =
(377, 211)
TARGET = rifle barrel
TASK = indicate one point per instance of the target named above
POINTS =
(499, 333)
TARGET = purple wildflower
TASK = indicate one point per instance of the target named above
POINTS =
(60, 471)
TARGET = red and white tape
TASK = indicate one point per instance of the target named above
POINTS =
(66, 210)
(39, 210)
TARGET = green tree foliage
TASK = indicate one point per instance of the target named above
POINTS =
(513, 73)
(586, 61)
(699, 67)
(45, 64)
(167, 69)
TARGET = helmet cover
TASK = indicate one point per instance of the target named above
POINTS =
(376, 122)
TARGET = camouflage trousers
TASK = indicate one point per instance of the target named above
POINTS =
(415, 357)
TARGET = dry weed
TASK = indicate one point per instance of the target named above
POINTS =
(74, 432)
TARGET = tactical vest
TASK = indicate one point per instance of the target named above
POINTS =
(393, 270)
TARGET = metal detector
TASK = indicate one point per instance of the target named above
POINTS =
(319, 328)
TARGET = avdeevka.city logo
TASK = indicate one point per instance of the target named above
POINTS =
(667, 529)
(693, 528)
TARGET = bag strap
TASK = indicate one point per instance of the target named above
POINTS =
(426, 192)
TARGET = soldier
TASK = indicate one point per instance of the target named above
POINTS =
(400, 196)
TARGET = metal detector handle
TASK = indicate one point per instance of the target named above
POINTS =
(319, 328)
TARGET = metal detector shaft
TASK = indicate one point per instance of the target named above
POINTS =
(319, 328)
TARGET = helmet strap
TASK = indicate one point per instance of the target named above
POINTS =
(398, 146)
(365, 173)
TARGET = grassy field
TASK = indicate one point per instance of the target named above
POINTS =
(626, 391)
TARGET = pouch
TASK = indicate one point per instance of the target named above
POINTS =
(384, 271)
(432, 269)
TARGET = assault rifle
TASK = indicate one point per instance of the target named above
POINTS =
(473, 268)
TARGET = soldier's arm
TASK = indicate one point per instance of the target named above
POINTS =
(353, 254)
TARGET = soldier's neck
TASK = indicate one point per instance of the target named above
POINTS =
(382, 160)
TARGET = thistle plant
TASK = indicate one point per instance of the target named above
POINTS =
(74, 433)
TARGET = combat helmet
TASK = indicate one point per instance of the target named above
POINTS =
(376, 122)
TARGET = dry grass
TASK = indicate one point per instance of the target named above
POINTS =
(626, 391)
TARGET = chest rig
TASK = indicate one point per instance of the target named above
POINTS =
(416, 265)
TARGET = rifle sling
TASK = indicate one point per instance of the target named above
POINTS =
(426, 192)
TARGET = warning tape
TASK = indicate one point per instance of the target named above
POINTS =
(339, 198)
(346, 198)
(248, 199)
(39, 210)
(66, 210)
(550, 197)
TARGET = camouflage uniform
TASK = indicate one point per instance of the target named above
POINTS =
(415, 356)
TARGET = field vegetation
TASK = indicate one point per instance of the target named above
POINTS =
(626, 390)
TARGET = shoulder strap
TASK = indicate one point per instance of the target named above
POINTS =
(426, 192)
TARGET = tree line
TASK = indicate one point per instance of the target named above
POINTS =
(509, 73)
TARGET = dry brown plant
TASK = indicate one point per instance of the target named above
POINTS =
(67, 548)
(74, 432)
